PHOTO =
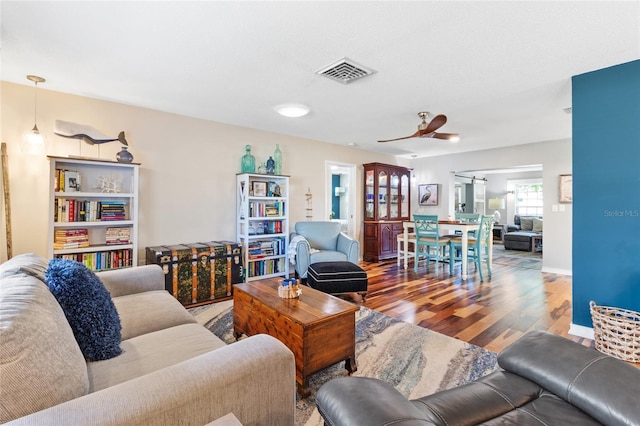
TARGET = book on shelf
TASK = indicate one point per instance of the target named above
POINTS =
(264, 248)
(116, 236)
(112, 210)
(70, 239)
(66, 246)
(271, 211)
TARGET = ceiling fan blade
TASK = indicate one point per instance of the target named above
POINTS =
(445, 136)
(437, 122)
(416, 134)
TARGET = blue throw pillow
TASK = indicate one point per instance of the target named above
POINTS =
(88, 307)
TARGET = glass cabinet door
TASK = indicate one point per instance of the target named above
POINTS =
(382, 195)
(404, 196)
(369, 194)
(394, 186)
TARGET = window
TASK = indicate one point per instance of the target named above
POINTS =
(529, 201)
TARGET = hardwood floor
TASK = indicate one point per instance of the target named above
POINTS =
(491, 314)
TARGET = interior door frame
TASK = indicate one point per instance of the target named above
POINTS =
(349, 170)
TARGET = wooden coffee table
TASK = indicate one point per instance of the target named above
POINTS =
(318, 328)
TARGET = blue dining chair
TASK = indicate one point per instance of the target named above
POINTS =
(468, 217)
(478, 247)
(428, 237)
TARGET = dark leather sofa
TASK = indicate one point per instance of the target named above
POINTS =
(544, 379)
(519, 237)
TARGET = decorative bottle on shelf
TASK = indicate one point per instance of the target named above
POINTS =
(124, 156)
(271, 166)
(248, 161)
(277, 157)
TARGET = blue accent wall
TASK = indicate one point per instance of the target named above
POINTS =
(335, 201)
(606, 189)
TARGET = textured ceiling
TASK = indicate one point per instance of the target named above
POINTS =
(500, 71)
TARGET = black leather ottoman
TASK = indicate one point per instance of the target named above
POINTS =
(519, 240)
(337, 278)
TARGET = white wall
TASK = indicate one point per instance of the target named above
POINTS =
(187, 178)
(555, 157)
(188, 171)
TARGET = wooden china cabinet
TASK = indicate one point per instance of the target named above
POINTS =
(387, 203)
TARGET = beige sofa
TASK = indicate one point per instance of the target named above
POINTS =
(171, 371)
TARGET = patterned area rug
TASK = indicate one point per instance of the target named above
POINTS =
(415, 360)
(516, 258)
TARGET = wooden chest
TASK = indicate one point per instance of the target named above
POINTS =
(198, 273)
(317, 327)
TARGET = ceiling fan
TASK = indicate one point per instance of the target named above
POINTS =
(428, 130)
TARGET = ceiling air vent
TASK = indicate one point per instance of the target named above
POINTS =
(345, 71)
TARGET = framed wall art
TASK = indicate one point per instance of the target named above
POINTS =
(566, 189)
(428, 194)
(259, 188)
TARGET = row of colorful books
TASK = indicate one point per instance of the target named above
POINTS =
(72, 210)
(70, 238)
(266, 267)
(264, 248)
(264, 209)
(102, 260)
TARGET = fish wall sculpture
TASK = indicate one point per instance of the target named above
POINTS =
(89, 134)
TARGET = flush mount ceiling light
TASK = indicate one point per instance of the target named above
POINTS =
(292, 110)
(33, 142)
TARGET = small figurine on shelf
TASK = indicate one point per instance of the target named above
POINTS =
(271, 166)
(248, 161)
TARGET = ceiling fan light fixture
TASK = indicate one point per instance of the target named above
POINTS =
(292, 110)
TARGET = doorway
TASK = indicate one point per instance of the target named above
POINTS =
(340, 193)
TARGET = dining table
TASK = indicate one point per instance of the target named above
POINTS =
(452, 226)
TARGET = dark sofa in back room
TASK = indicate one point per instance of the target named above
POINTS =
(520, 235)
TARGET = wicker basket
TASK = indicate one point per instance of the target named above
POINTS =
(616, 331)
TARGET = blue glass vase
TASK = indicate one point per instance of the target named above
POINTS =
(271, 166)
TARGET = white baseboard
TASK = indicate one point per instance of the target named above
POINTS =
(581, 331)
(558, 271)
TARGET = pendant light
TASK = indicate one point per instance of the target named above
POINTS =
(33, 142)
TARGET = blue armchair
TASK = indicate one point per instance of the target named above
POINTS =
(320, 242)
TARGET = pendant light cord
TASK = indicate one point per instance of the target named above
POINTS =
(35, 107)
(35, 80)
